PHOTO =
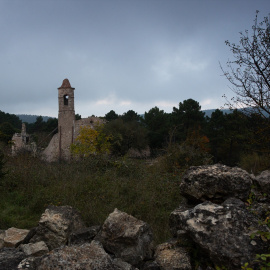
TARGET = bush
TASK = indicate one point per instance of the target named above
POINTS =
(255, 163)
(2, 173)
(125, 135)
(180, 157)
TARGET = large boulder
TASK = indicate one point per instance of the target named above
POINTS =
(259, 199)
(89, 256)
(223, 231)
(215, 183)
(263, 181)
(14, 236)
(126, 237)
(55, 226)
(170, 256)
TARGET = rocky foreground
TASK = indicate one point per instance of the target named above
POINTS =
(223, 219)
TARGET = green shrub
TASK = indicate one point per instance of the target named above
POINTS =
(180, 157)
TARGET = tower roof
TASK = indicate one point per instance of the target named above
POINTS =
(65, 84)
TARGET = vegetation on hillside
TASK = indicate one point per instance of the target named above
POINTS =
(30, 119)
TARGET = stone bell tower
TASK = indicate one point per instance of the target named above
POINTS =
(66, 118)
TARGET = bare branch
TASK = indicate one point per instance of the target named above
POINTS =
(249, 71)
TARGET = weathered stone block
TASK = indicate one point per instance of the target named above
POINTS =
(56, 224)
(35, 249)
(126, 237)
(14, 236)
(223, 231)
(263, 180)
(215, 183)
(169, 256)
(89, 256)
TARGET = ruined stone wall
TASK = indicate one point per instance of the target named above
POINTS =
(22, 142)
(51, 152)
(17, 143)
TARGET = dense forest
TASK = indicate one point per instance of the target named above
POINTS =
(234, 138)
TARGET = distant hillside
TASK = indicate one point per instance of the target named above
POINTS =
(228, 111)
(209, 112)
(31, 118)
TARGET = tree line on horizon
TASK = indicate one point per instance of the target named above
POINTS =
(226, 137)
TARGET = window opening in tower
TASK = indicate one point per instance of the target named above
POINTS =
(65, 99)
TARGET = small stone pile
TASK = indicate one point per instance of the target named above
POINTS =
(214, 220)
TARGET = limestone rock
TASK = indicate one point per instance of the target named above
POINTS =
(263, 180)
(83, 235)
(223, 231)
(56, 224)
(14, 236)
(10, 258)
(89, 256)
(29, 263)
(126, 237)
(35, 249)
(215, 183)
(169, 256)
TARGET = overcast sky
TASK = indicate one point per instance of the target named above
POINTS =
(118, 54)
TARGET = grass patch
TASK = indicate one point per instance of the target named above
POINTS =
(255, 163)
(95, 187)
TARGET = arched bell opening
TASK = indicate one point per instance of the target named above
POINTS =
(66, 99)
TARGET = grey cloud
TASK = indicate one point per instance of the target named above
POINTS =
(145, 52)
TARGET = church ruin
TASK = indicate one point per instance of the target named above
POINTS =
(22, 142)
(68, 127)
